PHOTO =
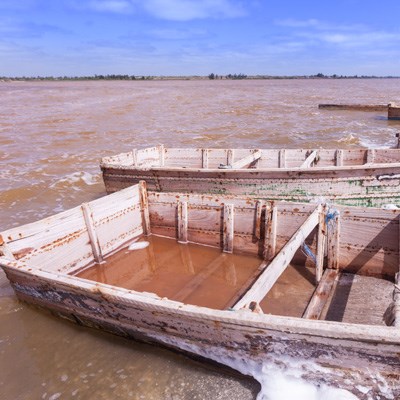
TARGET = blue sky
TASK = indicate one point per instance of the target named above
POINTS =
(197, 37)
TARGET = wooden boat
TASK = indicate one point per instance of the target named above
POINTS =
(360, 177)
(351, 256)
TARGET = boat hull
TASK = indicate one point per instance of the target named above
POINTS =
(372, 186)
(343, 355)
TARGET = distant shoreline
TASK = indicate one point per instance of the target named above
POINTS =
(186, 78)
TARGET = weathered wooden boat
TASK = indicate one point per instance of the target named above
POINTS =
(360, 177)
(336, 334)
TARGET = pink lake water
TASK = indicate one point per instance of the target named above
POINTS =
(52, 136)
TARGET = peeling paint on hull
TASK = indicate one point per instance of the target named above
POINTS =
(355, 187)
(232, 339)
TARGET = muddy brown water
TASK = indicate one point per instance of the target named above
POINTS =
(52, 135)
(191, 273)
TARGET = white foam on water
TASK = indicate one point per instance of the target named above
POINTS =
(282, 385)
(282, 378)
(77, 177)
(350, 138)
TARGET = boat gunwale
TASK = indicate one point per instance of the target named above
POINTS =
(387, 335)
(312, 170)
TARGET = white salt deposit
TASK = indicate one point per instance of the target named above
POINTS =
(138, 245)
(280, 380)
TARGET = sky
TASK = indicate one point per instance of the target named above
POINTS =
(199, 37)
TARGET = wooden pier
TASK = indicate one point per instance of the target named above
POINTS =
(392, 109)
(354, 107)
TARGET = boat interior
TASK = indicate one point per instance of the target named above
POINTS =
(225, 252)
(163, 157)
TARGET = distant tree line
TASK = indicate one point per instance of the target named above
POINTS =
(111, 77)
(229, 76)
(120, 77)
(316, 76)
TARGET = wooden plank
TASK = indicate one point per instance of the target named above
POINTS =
(321, 243)
(6, 252)
(271, 224)
(339, 158)
(370, 156)
(310, 159)
(204, 158)
(354, 107)
(282, 158)
(396, 300)
(267, 279)
(227, 228)
(393, 111)
(396, 289)
(258, 217)
(144, 207)
(333, 239)
(246, 285)
(182, 222)
(162, 154)
(321, 294)
(244, 161)
(134, 157)
(230, 156)
(94, 241)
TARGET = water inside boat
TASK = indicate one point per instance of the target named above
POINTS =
(204, 276)
(191, 273)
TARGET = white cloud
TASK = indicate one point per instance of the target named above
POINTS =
(293, 23)
(341, 36)
(172, 10)
(185, 10)
(115, 6)
(177, 34)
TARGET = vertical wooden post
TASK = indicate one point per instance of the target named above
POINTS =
(182, 222)
(396, 290)
(162, 154)
(333, 230)
(5, 250)
(230, 155)
(396, 300)
(144, 208)
(271, 220)
(257, 226)
(339, 158)
(94, 241)
(282, 158)
(370, 156)
(321, 242)
(228, 228)
(134, 157)
(204, 155)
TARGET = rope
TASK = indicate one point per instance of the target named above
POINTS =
(330, 218)
(307, 252)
